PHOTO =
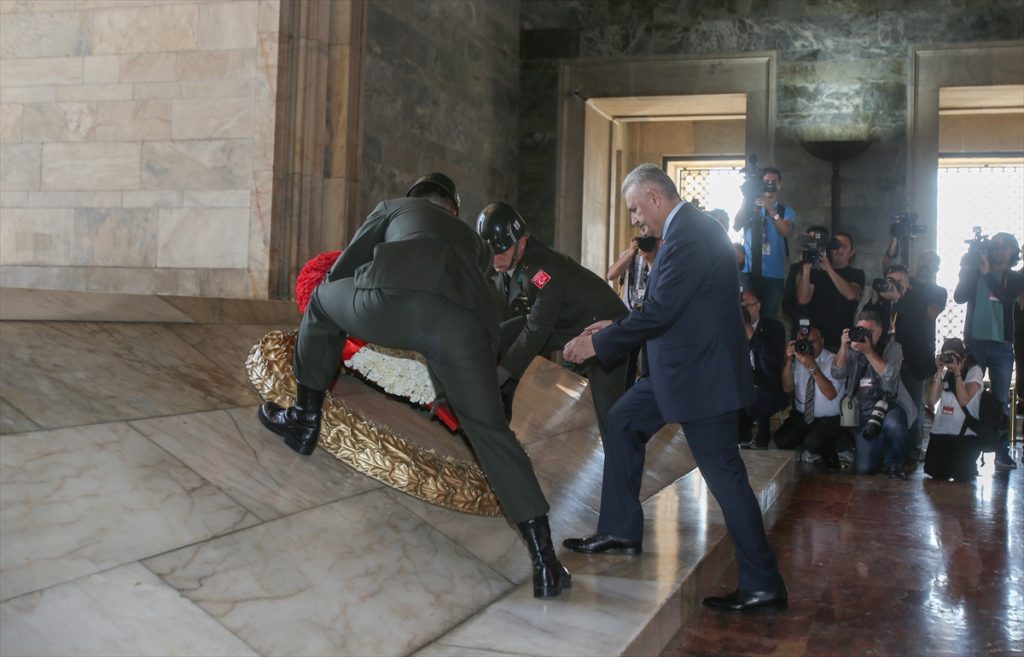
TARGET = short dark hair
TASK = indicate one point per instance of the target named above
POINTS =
(844, 234)
(771, 170)
(870, 316)
(897, 269)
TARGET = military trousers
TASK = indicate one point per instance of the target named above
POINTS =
(459, 354)
(606, 382)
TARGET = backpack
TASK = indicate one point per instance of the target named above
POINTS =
(988, 425)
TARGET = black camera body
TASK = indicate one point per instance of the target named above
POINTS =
(804, 346)
(753, 185)
(816, 245)
(905, 227)
(860, 334)
(646, 243)
(873, 427)
(947, 359)
(769, 186)
(884, 285)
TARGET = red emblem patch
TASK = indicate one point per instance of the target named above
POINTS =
(540, 279)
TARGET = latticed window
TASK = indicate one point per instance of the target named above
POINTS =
(712, 183)
(989, 196)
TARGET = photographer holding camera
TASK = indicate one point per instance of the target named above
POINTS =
(632, 270)
(956, 385)
(813, 422)
(766, 341)
(766, 224)
(990, 288)
(869, 361)
(905, 317)
(826, 290)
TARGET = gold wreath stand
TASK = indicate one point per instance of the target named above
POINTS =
(372, 449)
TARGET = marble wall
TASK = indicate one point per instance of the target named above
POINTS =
(441, 93)
(843, 70)
(136, 144)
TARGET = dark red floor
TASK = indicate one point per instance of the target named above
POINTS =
(882, 567)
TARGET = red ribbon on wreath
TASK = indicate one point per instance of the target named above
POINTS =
(313, 273)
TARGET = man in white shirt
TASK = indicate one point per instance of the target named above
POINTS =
(813, 423)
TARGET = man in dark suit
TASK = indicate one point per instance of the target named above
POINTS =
(767, 343)
(545, 299)
(698, 375)
(413, 278)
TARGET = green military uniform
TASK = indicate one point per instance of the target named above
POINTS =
(548, 300)
(412, 278)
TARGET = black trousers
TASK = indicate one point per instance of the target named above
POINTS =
(818, 437)
(459, 353)
(951, 457)
(631, 423)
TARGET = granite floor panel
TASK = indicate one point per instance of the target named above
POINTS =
(339, 579)
(124, 611)
(232, 450)
(881, 567)
(78, 501)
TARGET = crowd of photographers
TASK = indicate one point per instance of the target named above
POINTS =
(864, 387)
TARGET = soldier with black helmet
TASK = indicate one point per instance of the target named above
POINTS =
(413, 278)
(546, 299)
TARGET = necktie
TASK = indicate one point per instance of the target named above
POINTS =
(809, 400)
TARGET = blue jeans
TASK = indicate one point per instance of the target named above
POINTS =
(997, 358)
(767, 290)
(888, 449)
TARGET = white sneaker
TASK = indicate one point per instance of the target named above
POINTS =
(846, 457)
(809, 457)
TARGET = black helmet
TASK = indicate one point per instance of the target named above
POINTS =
(500, 226)
(440, 182)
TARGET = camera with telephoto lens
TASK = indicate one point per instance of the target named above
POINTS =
(753, 183)
(804, 346)
(977, 246)
(646, 243)
(904, 226)
(860, 334)
(887, 284)
(947, 358)
(873, 427)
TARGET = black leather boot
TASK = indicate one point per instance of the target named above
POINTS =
(549, 575)
(299, 425)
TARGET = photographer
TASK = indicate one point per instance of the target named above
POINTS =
(904, 313)
(766, 339)
(989, 288)
(870, 364)
(766, 224)
(632, 270)
(956, 385)
(828, 290)
(813, 422)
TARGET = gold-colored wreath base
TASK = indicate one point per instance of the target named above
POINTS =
(372, 449)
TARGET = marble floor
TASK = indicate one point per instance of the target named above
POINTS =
(915, 568)
(144, 510)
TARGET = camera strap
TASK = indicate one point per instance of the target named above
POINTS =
(785, 240)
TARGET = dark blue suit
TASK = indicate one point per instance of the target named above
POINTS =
(699, 376)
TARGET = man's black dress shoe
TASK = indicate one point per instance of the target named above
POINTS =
(740, 600)
(599, 543)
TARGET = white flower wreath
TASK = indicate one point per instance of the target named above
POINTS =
(398, 371)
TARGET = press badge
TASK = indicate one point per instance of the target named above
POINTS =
(766, 249)
(866, 382)
(947, 410)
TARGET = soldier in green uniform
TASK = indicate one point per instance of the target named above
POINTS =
(413, 278)
(546, 299)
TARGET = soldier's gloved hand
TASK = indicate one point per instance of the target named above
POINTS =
(508, 392)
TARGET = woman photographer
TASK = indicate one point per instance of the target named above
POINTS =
(632, 270)
(956, 385)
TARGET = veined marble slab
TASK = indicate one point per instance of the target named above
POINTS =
(123, 611)
(361, 576)
(237, 311)
(77, 501)
(14, 421)
(63, 374)
(68, 305)
(240, 456)
(598, 616)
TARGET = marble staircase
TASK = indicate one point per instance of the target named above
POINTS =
(144, 510)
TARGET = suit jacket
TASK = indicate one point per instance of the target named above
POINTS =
(768, 345)
(412, 244)
(559, 297)
(691, 324)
